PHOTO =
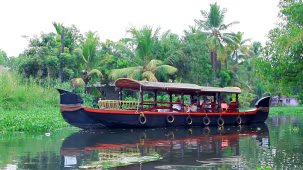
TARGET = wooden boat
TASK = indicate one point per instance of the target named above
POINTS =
(151, 114)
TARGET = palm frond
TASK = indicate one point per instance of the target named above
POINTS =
(136, 74)
(215, 16)
(58, 27)
(229, 39)
(78, 52)
(226, 26)
(123, 72)
(152, 65)
(144, 41)
(172, 59)
(164, 72)
(167, 69)
(95, 72)
(77, 82)
(150, 76)
(89, 48)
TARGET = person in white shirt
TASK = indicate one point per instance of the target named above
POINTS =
(177, 106)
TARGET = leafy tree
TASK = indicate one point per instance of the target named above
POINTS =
(283, 53)
(41, 59)
(114, 55)
(193, 61)
(3, 58)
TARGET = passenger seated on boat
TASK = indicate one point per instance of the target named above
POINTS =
(193, 106)
(206, 106)
(224, 105)
(213, 106)
(232, 107)
(177, 106)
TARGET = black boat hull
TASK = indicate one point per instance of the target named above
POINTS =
(89, 118)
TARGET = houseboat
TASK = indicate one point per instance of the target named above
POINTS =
(206, 106)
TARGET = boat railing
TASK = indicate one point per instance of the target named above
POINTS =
(117, 104)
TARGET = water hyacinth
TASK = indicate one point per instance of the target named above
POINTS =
(26, 106)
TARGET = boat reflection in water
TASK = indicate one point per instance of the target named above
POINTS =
(159, 148)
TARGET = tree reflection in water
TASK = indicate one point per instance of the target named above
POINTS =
(248, 147)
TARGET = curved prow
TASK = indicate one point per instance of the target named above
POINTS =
(262, 110)
(67, 97)
(263, 102)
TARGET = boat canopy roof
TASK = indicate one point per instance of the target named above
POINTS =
(176, 88)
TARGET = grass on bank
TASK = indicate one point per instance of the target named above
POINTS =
(27, 106)
(286, 110)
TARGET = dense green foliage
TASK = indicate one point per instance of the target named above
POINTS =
(280, 64)
(26, 106)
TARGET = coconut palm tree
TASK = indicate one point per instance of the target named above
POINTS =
(60, 38)
(240, 49)
(217, 37)
(146, 68)
(89, 56)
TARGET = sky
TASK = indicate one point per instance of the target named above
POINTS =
(111, 18)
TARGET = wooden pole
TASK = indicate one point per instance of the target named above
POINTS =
(155, 98)
(237, 102)
(198, 102)
(141, 100)
(170, 100)
(120, 97)
(182, 102)
(219, 102)
(120, 94)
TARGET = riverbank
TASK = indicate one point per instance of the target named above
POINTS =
(286, 110)
(27, 106)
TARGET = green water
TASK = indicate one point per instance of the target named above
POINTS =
(277, 144)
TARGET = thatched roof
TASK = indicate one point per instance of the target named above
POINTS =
(185, 88)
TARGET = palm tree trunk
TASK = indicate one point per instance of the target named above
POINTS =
(213, 59)
(219, 66)
(236, 56)
(48, 73)
(60, 52)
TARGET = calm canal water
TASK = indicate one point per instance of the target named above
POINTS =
(277, 144)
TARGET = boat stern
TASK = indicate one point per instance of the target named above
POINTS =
(67, 97)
